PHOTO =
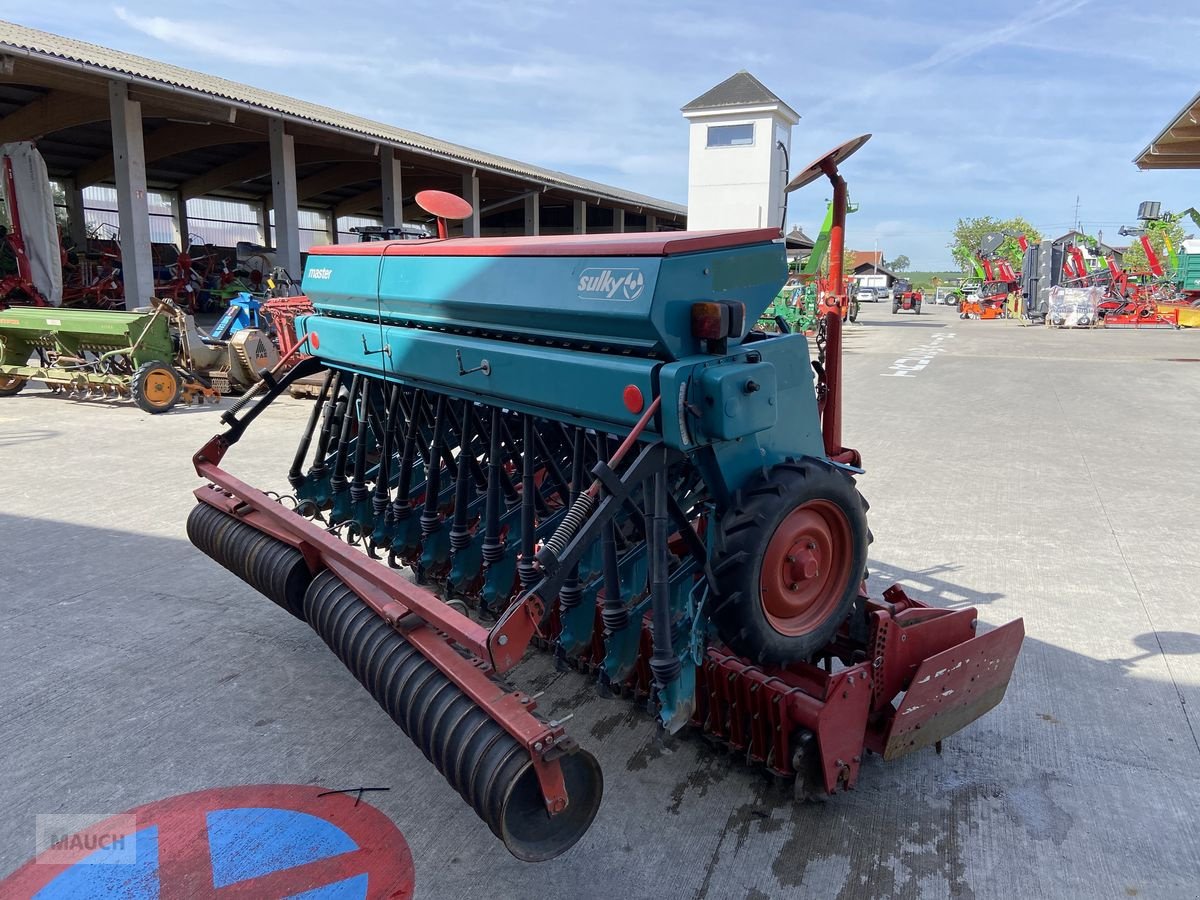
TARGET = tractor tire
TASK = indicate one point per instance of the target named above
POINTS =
(895, 308)
(789, 558)
(917, 308)
(854, 311)
(156, 387)
(11, 385)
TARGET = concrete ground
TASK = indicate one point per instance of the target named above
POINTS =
(1028, 472)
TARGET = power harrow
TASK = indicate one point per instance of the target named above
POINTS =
(575, 443)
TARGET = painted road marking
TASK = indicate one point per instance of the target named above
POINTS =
(909, 366)
(256, 841)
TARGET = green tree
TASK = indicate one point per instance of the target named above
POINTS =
(969, 232)
(899, 264)
(1135, 256)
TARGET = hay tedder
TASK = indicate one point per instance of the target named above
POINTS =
(573, 443)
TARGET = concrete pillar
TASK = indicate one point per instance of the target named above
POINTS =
(393, 194)
(283, 195)
(181, 221)
(333, 221)
(471, 195)
(133, 209)
(76, 218)
(651, 222)
(579, 219)
(618, 221)
(533, 214)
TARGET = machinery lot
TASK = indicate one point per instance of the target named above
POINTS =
(1029, 472)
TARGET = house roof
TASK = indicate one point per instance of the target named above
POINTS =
(865, 257)
(867, 267)
(17, 40)
(1177, 146)
(739, 89)
(798, 240)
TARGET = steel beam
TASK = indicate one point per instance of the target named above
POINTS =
(76, 219)
(391, 196)
(283, 194)
(359, 203)
(50, 113)
(133, 209)
(181, 220)
(533, 213)
(168, 141)
(470, 192)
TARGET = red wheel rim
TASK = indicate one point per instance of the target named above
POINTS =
(806, 568)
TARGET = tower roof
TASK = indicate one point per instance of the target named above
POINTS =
(739, 89)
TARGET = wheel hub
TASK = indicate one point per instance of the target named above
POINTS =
(806, 567)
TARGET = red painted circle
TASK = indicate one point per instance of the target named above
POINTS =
(634, 402)
(443, 205)
(314, 342)
(185, 865)
(806, 568)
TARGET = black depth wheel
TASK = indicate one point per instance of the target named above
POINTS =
(156, 386)
(789, 559)
(12, 384)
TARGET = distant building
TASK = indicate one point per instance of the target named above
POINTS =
(739, 153)
(861, 257)
(799, 246)
(870, 268)
(1117, 253)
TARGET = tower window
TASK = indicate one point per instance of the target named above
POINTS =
(731, 135)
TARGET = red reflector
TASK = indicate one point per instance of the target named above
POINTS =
(314, 342)
(633, 398)
(710, 321)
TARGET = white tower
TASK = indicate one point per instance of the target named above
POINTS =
(736, 169)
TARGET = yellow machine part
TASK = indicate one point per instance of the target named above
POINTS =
(1189, 316)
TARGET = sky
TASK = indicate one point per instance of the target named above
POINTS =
(976, 109)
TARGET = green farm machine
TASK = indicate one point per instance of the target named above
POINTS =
(576, 443)
(797, 303)
(154, 356)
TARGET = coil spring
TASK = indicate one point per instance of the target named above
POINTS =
(580, 511)
(271, 567)
(480, 760)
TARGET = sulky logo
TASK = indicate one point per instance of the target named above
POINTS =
(611, 284)
(320, 274)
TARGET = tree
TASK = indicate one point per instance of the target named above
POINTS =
(1135, 256)
(969, 232)
(899, 264)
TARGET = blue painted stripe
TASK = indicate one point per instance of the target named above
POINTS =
(254, 841)
(127, 868)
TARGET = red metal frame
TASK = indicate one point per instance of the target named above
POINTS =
(282, 311)
(394, 599)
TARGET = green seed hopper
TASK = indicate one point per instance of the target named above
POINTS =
(81, 350)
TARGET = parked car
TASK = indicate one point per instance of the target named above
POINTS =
(867, 295)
